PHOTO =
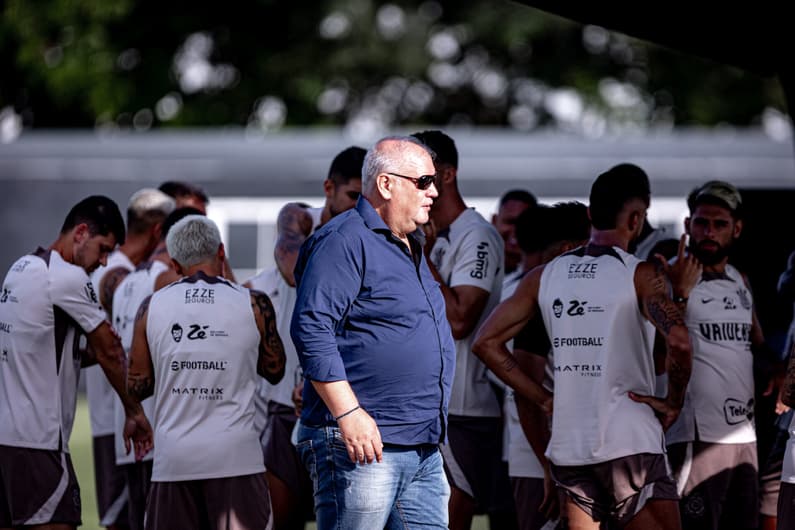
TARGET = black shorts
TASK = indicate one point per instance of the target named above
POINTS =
(230, 503)
(139, 482)
(37, 486)
(281, 460)
(473, 461)
(111, 483)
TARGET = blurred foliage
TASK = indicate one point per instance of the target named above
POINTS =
(362, 63)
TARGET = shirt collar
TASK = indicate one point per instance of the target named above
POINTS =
(370, 217)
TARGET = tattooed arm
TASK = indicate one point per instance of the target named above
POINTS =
(507, 319)
(787, 394)
(660, 310)
(270, 363)
(107, 287)
(141, 373)
(293, 226)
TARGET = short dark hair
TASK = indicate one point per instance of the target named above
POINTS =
(523, 196)
(174, 217)
(568, 222)
(347, 165)
(441, 144)
(613, 189)
(529, 233)
(177, 189)
(100, 214)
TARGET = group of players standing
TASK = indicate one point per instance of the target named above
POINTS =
(643, 363)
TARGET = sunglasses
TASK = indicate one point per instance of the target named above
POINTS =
(423, 182)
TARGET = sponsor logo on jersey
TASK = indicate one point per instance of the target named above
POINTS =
(585, 370)
(726, 331)
(7, 297)
(582, 271)
(90, 293)
(557, 307)
(736, 411)
(577, 308)
(199, 295)
(728, 303)
(4, 356)
(481, 262)
(5, 327)
(204, 393)
(176, 366)
(19, 267)
(706, 300)
(201, 332)
(576, 342)
(176, 332)
(745, 300)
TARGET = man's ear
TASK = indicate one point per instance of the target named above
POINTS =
(80, 233)
(634, 219)
(738, 228)
(687, 225)
(384, 184)
(177, 267)
(328, 188)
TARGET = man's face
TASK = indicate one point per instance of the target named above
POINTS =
(712, 231)
(505, 223)
(191, 201)
(92, 251)
(343, 197)
(409, 205)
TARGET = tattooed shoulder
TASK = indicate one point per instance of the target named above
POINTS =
(143, 308)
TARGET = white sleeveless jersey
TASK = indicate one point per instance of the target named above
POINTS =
(44, 306)
(471, 253)
(98, 390)
(282, 296)
(204, 342)
(602, 347)
(720, 395)
(126, 300)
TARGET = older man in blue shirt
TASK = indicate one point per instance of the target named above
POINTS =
(374, 342)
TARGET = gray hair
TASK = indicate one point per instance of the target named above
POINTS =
(192, 240)
(147, 207)
(380, 160)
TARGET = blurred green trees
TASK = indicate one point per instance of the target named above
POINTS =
(362, 63)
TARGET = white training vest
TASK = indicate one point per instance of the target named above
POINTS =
(602, 347)
(471, 253)
(98, 390)
(719, 404)
(282, 296)
(204, 342)
(44, 303)
(126, 300)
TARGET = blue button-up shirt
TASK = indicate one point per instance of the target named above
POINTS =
(369, 311)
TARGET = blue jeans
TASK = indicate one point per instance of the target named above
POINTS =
(408, 489)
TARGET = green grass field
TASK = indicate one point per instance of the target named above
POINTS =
(80, 446)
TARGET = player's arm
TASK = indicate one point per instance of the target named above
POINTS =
(110, 281)
(271, 359)
(652, 290)
(507, 319)
(141, 373)
(787, 392)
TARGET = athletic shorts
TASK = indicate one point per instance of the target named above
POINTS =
(786, 506)
(617, 489)
(280, 457)
(230, 503)
(718, 484)
(528, 494)
(473, 461)
(111, 483)
(139, 482)
(37, 487)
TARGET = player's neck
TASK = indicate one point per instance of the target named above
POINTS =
(136, 248)
(447, 209)
(608, 238)
(717, 268)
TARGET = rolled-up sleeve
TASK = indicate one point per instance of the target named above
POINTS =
(328, 278)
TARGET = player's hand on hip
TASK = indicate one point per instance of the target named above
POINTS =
(361, 436)
(665, 411)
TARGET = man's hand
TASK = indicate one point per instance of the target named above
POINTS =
(361, 437)
(138, 433)
(665, 411)
(684, 273)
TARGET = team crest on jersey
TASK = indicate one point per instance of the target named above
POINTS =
(745, 300)
(176, 332)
